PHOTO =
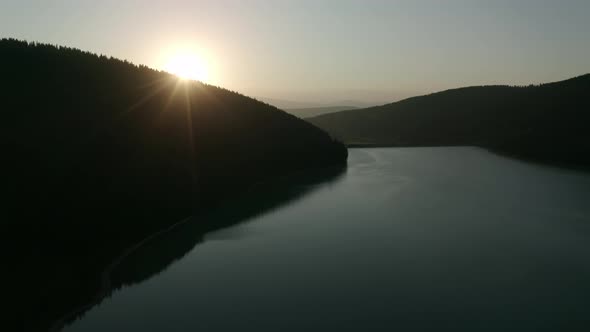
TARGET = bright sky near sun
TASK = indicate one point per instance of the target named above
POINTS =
(314, 50)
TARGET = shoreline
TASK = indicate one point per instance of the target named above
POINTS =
(105, 276)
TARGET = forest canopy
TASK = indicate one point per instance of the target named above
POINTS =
(547, 122)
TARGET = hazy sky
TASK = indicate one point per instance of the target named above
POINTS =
(323, 51)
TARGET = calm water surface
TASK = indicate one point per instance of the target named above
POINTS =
(408, 239)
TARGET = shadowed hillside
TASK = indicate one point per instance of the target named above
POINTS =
(99, 152)
(548, 122)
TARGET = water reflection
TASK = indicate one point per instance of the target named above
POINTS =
(160, 253)
(410, 239)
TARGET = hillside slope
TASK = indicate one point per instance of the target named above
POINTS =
(98, 153)
(547, 122)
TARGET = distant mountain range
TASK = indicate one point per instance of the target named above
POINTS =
(315, 111)
(548, 122)
(285, 104)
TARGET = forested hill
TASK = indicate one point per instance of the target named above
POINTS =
(98, 152)
(92, 121)
(549, 122)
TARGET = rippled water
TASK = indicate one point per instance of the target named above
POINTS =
(408, 239)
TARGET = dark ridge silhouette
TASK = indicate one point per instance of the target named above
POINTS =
(98, 153)
(548, 122)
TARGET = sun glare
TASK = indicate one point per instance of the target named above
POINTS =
(188, 66)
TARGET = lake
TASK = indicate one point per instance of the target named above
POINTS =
(407, 239)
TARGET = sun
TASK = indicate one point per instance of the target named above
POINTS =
(188, 66)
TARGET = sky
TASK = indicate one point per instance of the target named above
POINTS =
(326, 52)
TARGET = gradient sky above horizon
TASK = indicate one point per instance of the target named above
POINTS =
(327, 51)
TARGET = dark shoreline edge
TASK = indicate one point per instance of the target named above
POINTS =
(106, 286)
